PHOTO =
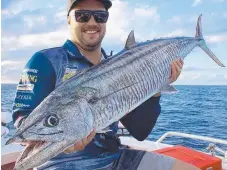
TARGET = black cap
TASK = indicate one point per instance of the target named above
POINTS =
(107, 4)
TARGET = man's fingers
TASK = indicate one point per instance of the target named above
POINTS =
(173, 72)
(178, 66)
(91, 135)
(87, 140)
(81, 144)
(182, 61)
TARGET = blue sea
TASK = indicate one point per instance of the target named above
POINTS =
(198, 110)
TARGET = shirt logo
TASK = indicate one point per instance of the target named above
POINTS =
(26, 88)
(69, 73)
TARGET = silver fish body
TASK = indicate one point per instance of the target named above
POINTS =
(103, 94)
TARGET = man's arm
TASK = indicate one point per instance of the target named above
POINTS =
(141, 120)
(37, 81)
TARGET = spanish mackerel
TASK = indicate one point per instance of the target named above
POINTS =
(101, 95)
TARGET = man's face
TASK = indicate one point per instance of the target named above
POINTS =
(87, 35)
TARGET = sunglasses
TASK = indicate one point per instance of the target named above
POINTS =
(85, 15)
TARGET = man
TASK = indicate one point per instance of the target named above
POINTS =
(47, 69)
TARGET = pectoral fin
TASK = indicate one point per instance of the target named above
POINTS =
(168, 89)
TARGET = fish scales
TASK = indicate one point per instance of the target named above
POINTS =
(154, 76)
(135, 89)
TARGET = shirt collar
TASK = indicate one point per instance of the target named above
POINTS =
(74, 52)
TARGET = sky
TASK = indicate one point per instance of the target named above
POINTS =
(29, 26)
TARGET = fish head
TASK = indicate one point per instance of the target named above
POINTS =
(51, 128)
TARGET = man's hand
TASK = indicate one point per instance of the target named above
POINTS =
(176, 68)
(79, 146)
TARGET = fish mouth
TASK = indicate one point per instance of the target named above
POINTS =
(37, 153)
(32, 149)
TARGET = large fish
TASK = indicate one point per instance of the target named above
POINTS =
(101, 95)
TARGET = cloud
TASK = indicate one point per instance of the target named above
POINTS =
(9, 63)
(5, 12)
(177, 32)
(34, 20)
(46, 40)
(216, 38)
(181, 77)
(119, 22)
(175, 19)
(11, 71)
(201, 78)
(225, 76)
(61, 15)
(196, 2)
(147, 12)
(191, 68)
(124, 18)
(194, 77)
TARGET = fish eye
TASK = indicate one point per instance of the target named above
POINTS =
(51, 121)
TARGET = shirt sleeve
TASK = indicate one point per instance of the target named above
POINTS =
(141, 120)
(37, 81)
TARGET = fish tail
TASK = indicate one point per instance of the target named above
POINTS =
(202, 42)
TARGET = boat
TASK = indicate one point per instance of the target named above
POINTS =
(12, 151)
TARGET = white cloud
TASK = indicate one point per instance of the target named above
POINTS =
(34, 20)
(118, 22)
(9, 62)
(46, 40)
(213, 75)
(194, 77)
(61, 15)
(182, 76)
(5, 12)
(147, 12)
(196, 2)
(11, 71)
(123, 19)
(225, 76)
(178, 32)
(216, 38)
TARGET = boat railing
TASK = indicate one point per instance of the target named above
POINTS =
(212, 147)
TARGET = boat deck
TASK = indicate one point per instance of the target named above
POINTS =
(11, 152)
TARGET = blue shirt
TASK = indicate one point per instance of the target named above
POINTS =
(45, 71)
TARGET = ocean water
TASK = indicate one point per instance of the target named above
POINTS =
(199, 110)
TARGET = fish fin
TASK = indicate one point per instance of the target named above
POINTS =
(168, 89)
(202, 43)
(111, 53)
(104, 130)
(131, 42)
(199, 33)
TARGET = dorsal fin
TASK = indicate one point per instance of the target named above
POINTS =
(131, 42)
